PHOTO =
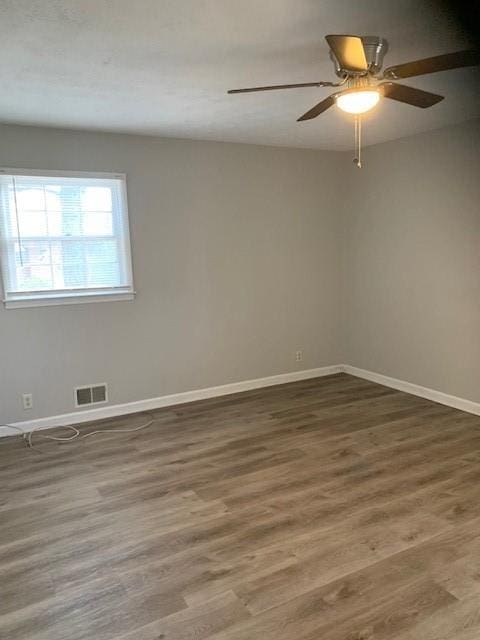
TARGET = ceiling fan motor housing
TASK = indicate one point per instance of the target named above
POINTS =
(375, 49)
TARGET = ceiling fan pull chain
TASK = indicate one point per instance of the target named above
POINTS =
(355, 140)
(358, 142)
(359, 154)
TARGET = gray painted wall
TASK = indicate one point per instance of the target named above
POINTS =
(236, 257)
(412, 261)
(244, 254)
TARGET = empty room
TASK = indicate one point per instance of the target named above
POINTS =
(239, 320)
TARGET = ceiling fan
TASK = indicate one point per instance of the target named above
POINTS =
(358, 61)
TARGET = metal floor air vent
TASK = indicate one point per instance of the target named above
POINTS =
(93, 394)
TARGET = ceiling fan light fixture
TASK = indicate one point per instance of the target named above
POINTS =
(357, 102)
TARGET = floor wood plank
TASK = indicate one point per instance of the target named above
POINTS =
(330, 508)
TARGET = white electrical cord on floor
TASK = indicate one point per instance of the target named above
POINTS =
(76, 434)
(142, 426)
(28, 435)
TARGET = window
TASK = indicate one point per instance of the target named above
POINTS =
(64, 237)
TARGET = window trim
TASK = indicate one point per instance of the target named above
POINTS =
(74, 296)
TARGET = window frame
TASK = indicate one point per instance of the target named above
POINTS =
(74, 296)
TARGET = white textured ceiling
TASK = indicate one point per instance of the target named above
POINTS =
(162, 67)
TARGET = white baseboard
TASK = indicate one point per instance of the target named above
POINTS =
(415, 389)
(114, 410)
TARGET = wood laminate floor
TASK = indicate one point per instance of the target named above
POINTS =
(329, 509)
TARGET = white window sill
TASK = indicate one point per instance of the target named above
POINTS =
(78, 298)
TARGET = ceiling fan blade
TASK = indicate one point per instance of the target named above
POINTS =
(349, 52)
(275, 87)
(409, 95)
(318, 108)
(432, 65)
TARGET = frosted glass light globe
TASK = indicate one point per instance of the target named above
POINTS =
(358, 101)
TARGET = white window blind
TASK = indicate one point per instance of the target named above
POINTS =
(64, 237)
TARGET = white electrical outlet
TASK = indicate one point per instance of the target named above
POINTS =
(27, 400)
(298, 356)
